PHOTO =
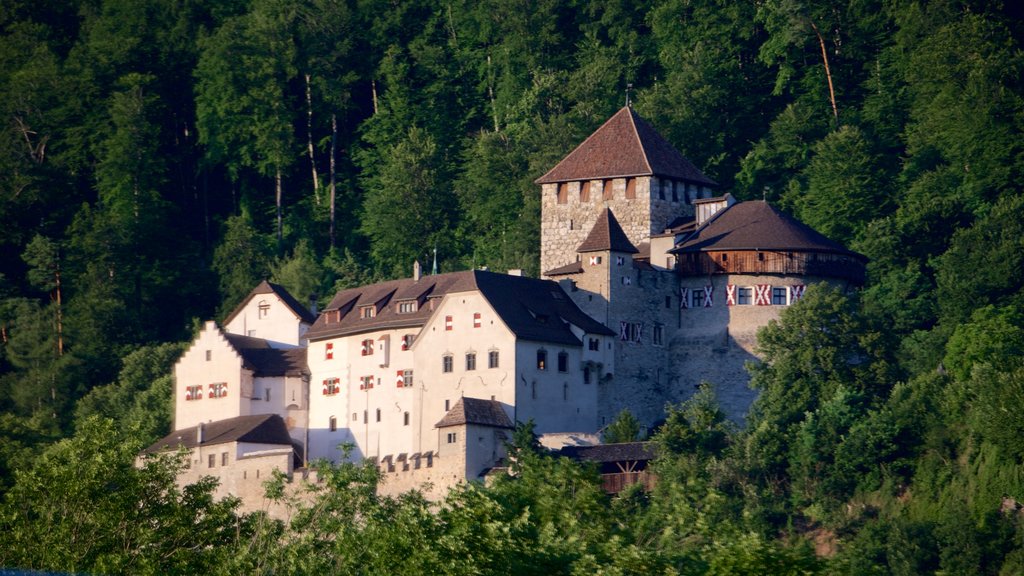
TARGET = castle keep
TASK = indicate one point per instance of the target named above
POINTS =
(650, 286)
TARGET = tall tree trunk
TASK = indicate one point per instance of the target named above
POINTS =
(334, 143)
(373, 88)
(828, 72)
(60, 315)
(490, 92)
(277, 178)
(309, 142)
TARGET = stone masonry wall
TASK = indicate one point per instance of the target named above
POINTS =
(563, 227)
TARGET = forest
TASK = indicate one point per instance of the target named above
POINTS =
(158, 158)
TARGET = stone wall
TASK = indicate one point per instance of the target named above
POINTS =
(565, 226)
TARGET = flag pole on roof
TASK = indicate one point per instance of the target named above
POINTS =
(433, 271)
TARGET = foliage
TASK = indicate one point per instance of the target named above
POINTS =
(152, 152)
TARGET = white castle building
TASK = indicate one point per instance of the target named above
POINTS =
(650, 287)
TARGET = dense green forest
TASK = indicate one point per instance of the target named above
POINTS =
(160, 157)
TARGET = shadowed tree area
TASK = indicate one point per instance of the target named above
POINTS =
(158, 159)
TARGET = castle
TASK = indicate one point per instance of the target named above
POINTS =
(650, 286)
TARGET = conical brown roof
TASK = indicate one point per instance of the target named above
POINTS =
(625, 146)
(757, 225)
(607, 235)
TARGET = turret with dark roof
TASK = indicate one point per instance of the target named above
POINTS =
(757, 238)
(607, 236)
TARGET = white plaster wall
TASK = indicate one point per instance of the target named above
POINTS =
(280, 326)
(435, 389)
(556, 401)
(194, 369)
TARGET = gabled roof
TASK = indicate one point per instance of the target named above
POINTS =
(607, 235)
(625, 146)
(258, 356)
(476, 411)
(757, 225)
(258, 429)
(532, 309)
(264, 287)
(626, 451)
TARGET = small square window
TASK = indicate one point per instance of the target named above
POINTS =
(744, 296)
(452, 437)
(779, 295)
(367, 347)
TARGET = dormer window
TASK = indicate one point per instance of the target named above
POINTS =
(407, 307)
(367, 311)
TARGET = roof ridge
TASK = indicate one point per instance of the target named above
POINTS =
(640, 141)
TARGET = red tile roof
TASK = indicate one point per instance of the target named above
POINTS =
(626, 145)
(607, 235)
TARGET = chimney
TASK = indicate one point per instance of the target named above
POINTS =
(312, 304)
(417, 271)
(199, 433)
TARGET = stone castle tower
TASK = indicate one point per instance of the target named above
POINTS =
(631, 232)
(625, 166)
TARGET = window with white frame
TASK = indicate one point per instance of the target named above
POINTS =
(367, 311)
(492, 359)
(407, 306)
(446, 363)
(470, 361)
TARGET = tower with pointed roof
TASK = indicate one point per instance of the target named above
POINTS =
(624, 166)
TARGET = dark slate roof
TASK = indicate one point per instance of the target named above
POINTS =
(532, 309)
(570, 268)
(476, 411)
(607, 235)
(536, 310)
(757, 225)
(265, 287)
(625, 146)
(627, 451)
(258, 356)
(259, 429)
